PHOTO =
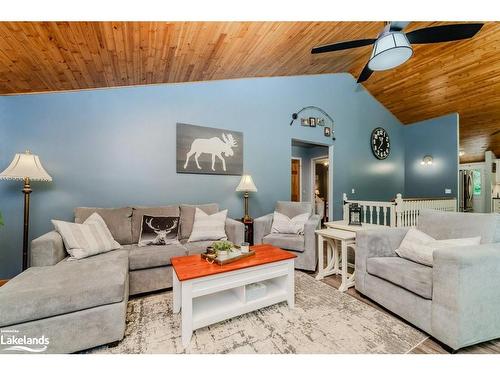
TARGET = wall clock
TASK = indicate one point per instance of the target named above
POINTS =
(381, 144)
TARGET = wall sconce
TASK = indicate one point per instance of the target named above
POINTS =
(427, 160)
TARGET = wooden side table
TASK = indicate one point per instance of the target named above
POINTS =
(248, 230)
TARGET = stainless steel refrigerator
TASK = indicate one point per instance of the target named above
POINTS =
(466, 190)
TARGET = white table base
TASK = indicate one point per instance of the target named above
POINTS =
(211, 299)
(336, 260)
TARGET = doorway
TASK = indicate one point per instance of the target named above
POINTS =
(296, 182)
(320, 167)
(311, 175)
(471, 188)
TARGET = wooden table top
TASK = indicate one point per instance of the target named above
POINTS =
(344, 225)
(338, 234)
(193, 266)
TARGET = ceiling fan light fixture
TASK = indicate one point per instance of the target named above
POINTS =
(391, 49)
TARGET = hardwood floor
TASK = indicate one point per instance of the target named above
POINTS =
(430, 345)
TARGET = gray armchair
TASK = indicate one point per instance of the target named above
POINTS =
(303, 245)
(458, 299)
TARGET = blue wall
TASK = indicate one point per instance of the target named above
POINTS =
(437, 137)
(116, 147)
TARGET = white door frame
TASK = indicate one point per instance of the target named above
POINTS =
(313, 175)
(481, 166)
(300, 175)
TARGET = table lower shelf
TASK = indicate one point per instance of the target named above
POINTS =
(215, 307)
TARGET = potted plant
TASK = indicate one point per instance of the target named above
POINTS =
(223, 248)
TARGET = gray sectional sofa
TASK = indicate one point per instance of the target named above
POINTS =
(458, 299)
(80, 304)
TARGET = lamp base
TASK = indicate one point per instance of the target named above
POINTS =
(246, 219)
(27, 192)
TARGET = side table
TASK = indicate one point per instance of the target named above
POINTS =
(336, 255)
(248, 230)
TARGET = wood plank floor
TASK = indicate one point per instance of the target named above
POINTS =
(429, 346)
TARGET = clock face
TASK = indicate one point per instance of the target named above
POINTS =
(380, 142)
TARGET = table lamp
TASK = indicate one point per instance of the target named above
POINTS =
(26, 167)
(246, 184)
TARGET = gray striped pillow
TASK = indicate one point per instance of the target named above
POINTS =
(90, 238)
(208, 227)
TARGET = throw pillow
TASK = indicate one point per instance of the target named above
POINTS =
(283, 224)
(92, 237)
(419, 247)
(159, 230)
(208, 227)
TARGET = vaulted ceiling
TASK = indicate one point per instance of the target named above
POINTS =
(461, 77)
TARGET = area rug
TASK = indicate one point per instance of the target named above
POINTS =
(323, 321)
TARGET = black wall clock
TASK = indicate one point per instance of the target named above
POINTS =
(381, 144)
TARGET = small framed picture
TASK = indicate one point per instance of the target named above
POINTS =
(312, 122)
(304, 121)
(320, 121)
(327, 131)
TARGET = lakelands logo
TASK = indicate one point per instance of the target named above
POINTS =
(10, 340)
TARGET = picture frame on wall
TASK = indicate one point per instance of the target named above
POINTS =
(327, 131)
(312, 122)
(304, 121)
(204, 150)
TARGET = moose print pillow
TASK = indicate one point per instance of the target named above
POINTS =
(159, 230)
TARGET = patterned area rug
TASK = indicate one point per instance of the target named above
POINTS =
(323, 321)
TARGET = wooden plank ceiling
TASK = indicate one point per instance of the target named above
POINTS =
(461, 77)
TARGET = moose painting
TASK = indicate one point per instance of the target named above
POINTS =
(209, 150)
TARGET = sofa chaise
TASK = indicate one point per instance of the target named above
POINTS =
(457, 301)
(81, 304)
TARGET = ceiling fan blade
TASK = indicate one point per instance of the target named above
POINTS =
(343, 45)
(365, 74)
(444, 33)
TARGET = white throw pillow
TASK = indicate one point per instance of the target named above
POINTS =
(283, 224)
(90, 238)
(419, 247)
(208, 227)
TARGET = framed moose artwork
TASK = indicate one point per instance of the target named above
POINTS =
(209, 150)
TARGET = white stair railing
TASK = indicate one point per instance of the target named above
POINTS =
(401, 212)
(408, 209)
(384, 211)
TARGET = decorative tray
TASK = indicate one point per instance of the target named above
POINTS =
(233, 257)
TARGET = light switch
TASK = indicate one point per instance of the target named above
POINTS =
(447, 191)
(353, 191)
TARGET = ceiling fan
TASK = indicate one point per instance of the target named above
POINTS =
(393, 47)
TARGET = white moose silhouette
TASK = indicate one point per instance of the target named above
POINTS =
(161, 234)
(214, 146)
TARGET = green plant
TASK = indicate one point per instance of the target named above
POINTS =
(1, 219)
(219, 246)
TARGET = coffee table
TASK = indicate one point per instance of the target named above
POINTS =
(209, 293)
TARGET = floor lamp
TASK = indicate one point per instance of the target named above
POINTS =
(26, 167)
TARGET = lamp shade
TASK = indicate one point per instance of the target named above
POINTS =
(389, 51)
(246, 184)
(24, 166)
